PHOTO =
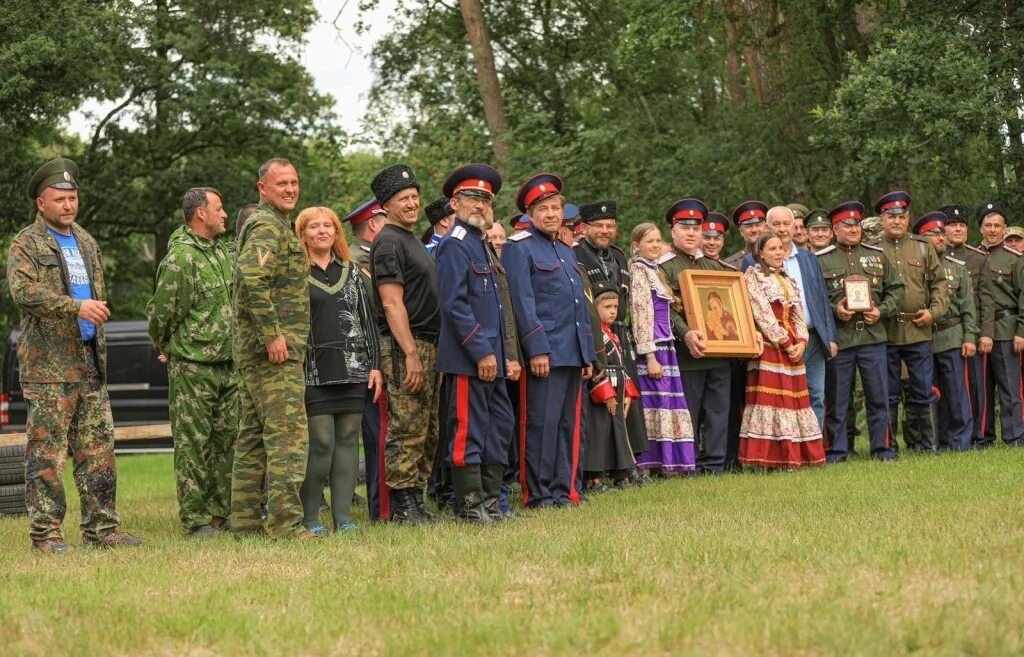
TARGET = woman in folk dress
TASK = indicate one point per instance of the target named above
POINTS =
(779, 429)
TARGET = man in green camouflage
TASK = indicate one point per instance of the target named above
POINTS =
(190, 323)
(56, 280)
(271, 309)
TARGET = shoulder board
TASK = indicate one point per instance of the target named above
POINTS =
(728, 265)
(1013, 251)
(920, 239)
(459, 233)
(364, 247)
(665, 258)
(871, 246)
(954, 260)
(828, 249)
(520, 236)
(975, 249)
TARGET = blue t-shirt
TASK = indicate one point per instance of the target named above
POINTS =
(81, 287)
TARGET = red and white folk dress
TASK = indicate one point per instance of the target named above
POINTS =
(779, 428)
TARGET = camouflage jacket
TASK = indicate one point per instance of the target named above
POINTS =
(271, 287)
(50, 345)
(190, 313)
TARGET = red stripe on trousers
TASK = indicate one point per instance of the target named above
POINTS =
(383, 492)
(461, 420)
(984, 394)
(522, 438)
(967, 386)
(574, 496)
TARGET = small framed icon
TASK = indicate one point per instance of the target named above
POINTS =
(858, 294)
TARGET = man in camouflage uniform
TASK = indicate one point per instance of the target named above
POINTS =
(56, 280)
(408, 318)
(190, 321)
(271, 311)
(1002, 322)
(983, 407)
(956, 332)
(925, 299)
(861, 334)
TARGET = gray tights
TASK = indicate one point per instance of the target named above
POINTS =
(333, 453)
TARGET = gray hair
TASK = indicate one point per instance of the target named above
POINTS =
(767, 216)
(194, 199)
(273, 162)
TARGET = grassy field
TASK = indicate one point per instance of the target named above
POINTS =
(919, 556)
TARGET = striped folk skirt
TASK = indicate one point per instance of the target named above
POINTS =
(669, 430)
(779, 429)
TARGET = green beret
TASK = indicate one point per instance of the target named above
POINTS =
(61, 173)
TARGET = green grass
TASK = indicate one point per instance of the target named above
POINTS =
(919, 556)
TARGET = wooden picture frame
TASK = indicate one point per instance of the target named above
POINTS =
(858, 294)
(717, 305)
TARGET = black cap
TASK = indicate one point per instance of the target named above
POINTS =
(990, 207)
(955, 214)
(438, 210)
(598, 288)
(597, 211)
(392, 180)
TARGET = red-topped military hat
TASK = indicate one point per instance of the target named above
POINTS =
(847, 212)
(364, 212)
(716, 224)
(934, 221)
(687, 211)
(519, 221)
(537, 189)
(896, 202)
(749, 212)
(473, 180)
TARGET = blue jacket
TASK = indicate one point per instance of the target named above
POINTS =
(472, 324)
(819, 314)
(547, 295)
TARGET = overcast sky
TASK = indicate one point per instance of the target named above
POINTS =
(337, 58)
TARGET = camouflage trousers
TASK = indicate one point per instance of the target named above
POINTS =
(271, 448)
(412, 428)
(75, 415)
(203, 400)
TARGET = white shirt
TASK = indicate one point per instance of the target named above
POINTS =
(792, 266)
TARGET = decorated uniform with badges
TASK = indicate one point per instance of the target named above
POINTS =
(975, 260)
(910, 330)
(608, 268)
(956, 331)
(551, 314)
(472, 333)
(375, 414)
(1002, 322)
(862, 344)
(706, 380)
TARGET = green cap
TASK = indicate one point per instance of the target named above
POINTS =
(61, 173)
(799, 210)
(1015, 231)
(817, 218)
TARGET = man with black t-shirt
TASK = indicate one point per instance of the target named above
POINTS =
(405, 291)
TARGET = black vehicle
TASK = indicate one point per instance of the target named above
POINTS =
(136, 382)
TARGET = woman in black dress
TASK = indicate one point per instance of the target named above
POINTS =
(342, 365)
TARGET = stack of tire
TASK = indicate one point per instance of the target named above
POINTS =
(12, 480)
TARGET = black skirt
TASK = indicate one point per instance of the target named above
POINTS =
(336, 398)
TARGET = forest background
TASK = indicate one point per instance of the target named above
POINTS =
(641, 101)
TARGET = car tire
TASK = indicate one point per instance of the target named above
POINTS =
(12, 500)
(12, 464)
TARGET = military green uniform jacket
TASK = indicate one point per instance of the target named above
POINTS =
(735, 259)
(839, 261)
(50, 345)
(974, 259)
(271, 290)
(924, 286)
(1002, 294)
(512, 350)
(190, 314)
(671, 265)
(959, 324)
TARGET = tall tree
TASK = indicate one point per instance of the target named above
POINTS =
(487, 78)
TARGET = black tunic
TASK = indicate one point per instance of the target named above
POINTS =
(609, 447)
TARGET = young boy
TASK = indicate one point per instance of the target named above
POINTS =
(608, 449)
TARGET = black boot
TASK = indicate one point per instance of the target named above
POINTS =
(491, 478)
(912, 426)
(421, 508)
(403, 506)
(894, 425)
(469, 491)
(928, 440)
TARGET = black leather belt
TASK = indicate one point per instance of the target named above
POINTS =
(949, 323)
